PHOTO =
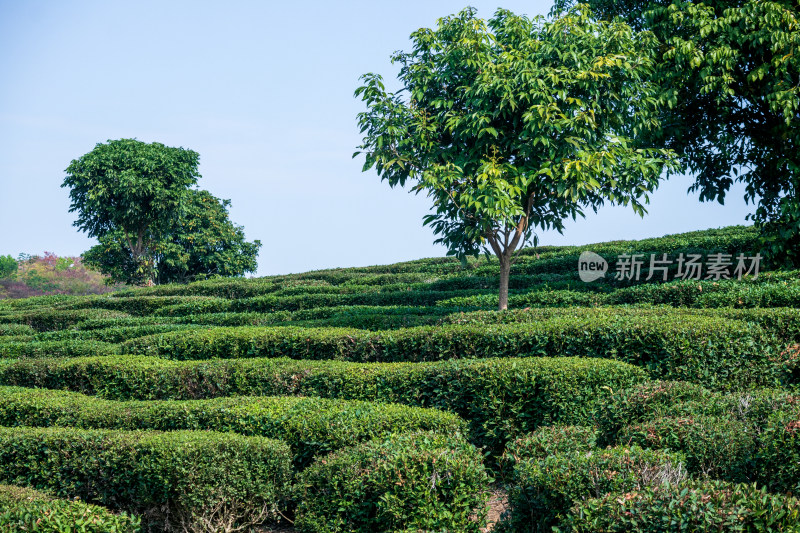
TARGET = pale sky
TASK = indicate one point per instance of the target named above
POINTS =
(263, 91)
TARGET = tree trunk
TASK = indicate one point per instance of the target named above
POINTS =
(505, 271)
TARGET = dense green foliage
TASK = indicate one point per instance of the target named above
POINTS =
(27, 510)
(549, 440)
(514, 124)
(311, 426)
(8, 266)
(202, 242)
(135, 198)
(500, 398)
(706, 349)
(728, 73)
(280, 358)
(442, 487)
(544, 489)
(688, 506)
(169, 477)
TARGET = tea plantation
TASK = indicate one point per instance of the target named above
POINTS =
(394, 398)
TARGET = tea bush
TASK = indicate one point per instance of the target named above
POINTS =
(406, 482)
(169, 478)
(311, 426)
(24, 509)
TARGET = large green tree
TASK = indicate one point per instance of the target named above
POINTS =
(133, 190)
(515, 124)
(135, 198)
(202, 243)
(730, 73)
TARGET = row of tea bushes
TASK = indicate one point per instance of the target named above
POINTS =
(783, 322)
(24, 509)
(407, 482)
(114, 335)
(172, 479)
(500, 398)
(311, 426)
(210, 481)
(706, 349)
(13, 330)
(18, 349)
(685, 293)
(694, 505)
(747, 436)
(49, 319)
(560, 478)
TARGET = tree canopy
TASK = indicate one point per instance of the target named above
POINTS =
(135, 198)
(515, 124)
(202, 243)
(730, 76)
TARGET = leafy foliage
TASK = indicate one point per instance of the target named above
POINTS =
(406, 482)
(50, 274)
(24, 509)
(689, 506)
(311, 426)
(515, 123)
(201, 243)
(729, 73)
(134, 189)
(8, 266)
(180, 476)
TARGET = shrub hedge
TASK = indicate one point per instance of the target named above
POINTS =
(406, 482)
(547, 441)
(68, 348)
(741, 436)
(9, 330)
(24, 509)
(500, 398)
(779, 454)
(169, 478)
(311, 426)
(544, 490)
(717, 447)
(113, 335)
(708, 350)
(55, 319)
(689, 506)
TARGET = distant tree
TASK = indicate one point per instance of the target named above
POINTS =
(202, 243)
(730, 73)
(8, 266)
(516, 124)
(133, 190)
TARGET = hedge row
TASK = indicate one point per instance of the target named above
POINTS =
(688, 506)
(543, 490)
(24, 509)
(685, 293)
(311, 426)
(143, 305)
(500, 398)
(39, 349)
(708, 350)
(782, 322)
(113, 335)
(8, 330)
(169, 478)
(406, 482)
(547, 441)
(56, 319)
(741, 437)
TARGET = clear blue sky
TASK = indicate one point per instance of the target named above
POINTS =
(264, 92)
